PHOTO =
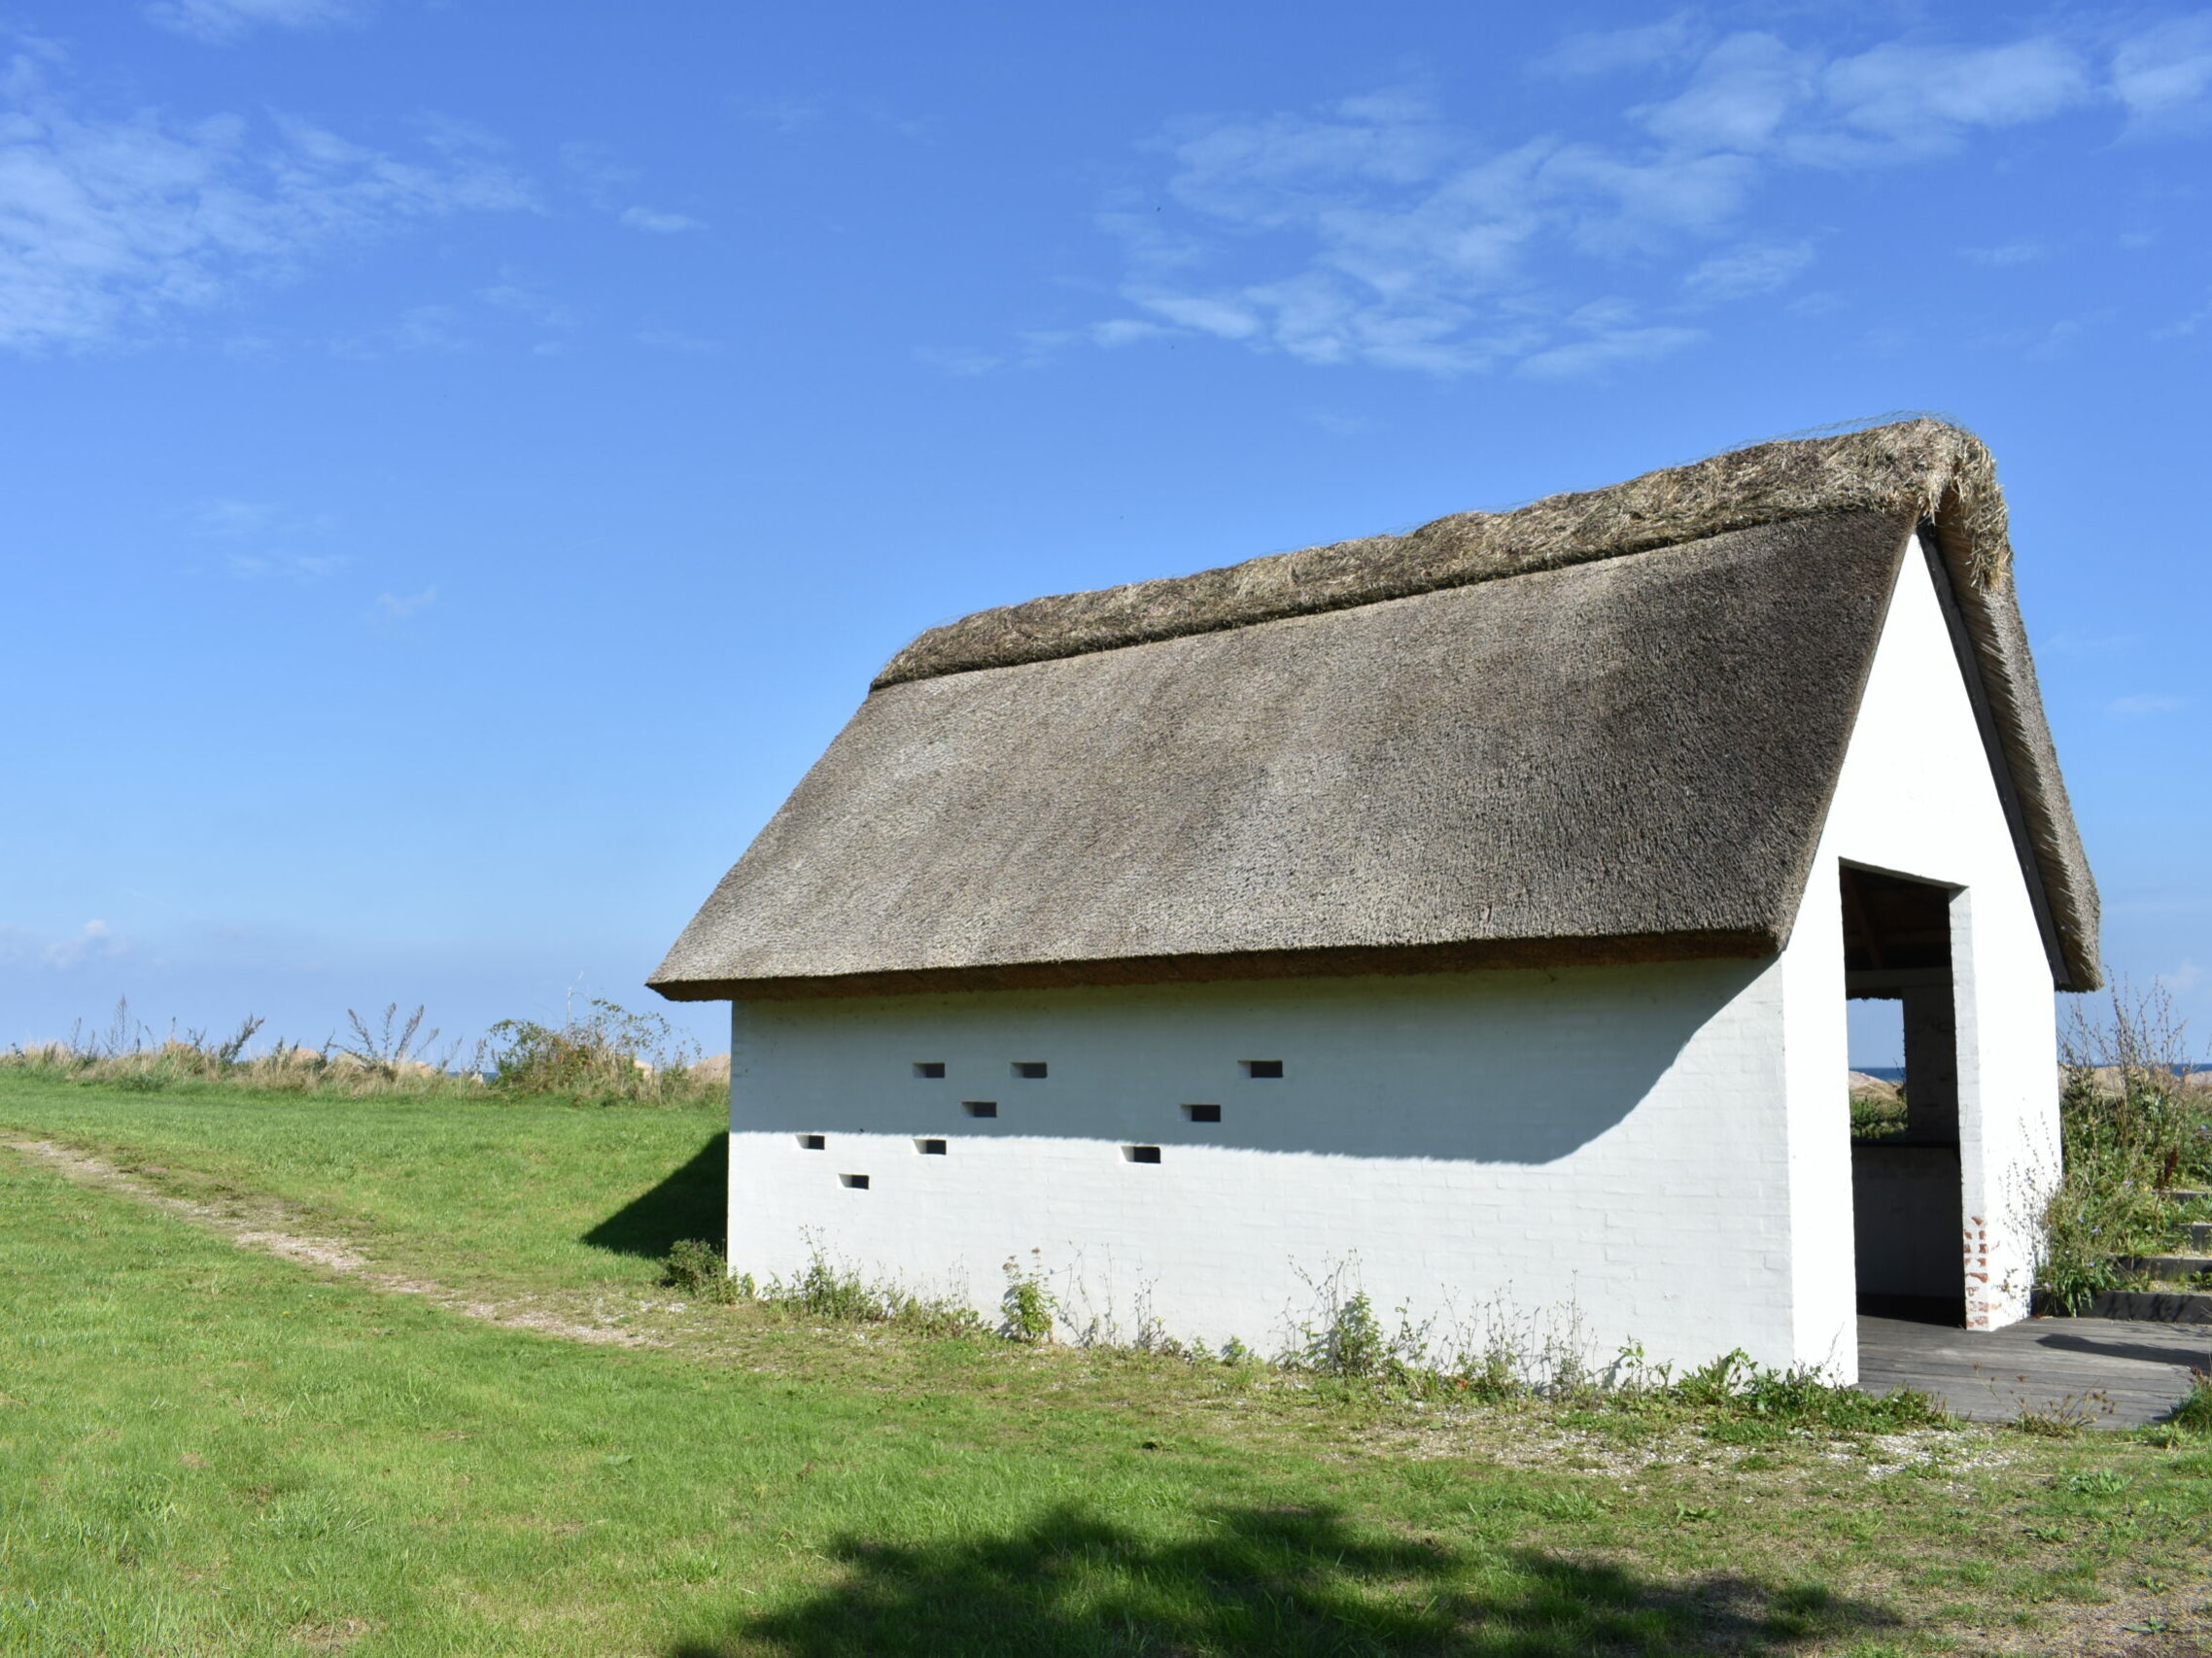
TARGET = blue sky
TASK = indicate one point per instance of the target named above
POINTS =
(464, 460)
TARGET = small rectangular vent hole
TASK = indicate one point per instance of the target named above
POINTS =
(1262, 1067)
(1030, 1068)
(930, 1148)
(1141, 1154)
(980, 1107)
(813, 1143)
(1202, 1113)
(929, 1067)
(859, 1182)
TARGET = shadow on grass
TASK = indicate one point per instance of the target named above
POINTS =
(1286, 1584)
(689, 1202)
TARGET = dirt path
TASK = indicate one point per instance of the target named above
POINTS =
(271, 1228)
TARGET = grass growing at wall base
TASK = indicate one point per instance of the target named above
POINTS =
(2135, 1122)
(209, 1450)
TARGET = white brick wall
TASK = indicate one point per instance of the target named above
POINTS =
(1602, 1137)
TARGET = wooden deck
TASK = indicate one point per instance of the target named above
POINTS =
(2140, 1370)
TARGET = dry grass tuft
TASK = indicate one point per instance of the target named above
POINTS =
(604, 1055)
(2135, 1124)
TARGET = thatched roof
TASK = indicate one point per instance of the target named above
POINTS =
(1498, 739)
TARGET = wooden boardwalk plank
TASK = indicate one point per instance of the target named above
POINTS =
(2140, 1369)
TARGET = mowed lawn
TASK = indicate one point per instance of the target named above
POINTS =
(210, 1449)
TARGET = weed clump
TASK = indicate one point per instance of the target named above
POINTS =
(1519, 1360)
(1509, 1357)
(699, 1269)
(1350, 1345)
(1733, 1386)
(837, 1293)
(1027, 1308)
(1878, 1107)
(607, 1055)
(2193, 1414)
(830, 1292)
(2133, 1123)
(2066, 1418)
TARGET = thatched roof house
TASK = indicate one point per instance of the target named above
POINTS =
(1477, 907)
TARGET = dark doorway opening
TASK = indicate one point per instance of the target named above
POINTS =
(1907, 1219)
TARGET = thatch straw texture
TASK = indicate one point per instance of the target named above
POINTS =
(1922, 468)
(1387, 756)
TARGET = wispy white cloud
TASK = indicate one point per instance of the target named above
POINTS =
(611, 186)
(2024, 251)
(260, 541)
(531, 305)
(2196, 322)
(1917, 97)
(2144, 705)
(960, 363)
(95, 941)
(2089, 647)
(1753, 93)
(1342, 425)
(398, 607)
(2187, 977)
(1609, 52)
(286, 566)
(1740, 92)
(221, 21)
(424, 327)
(675, 340)
(1610, 337)
(1746, 270)
(1375, 231)
(784, 115)
(1032, 349)
(1383, 236)
(660, 223)
(796, 116)
(603, 180)
(112, 226)
(226, 518)
(2164, 74)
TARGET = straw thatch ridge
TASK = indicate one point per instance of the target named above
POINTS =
(1925, 469)
(1922, 468)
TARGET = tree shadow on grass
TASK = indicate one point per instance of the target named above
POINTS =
(1286, 1584)
(689, 1202)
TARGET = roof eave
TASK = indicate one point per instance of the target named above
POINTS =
(1339, 962)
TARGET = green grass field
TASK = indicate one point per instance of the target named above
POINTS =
(206, 1448)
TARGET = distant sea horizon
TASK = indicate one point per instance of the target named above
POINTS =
(1896, 1073)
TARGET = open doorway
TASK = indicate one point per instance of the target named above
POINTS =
(1906, 1184)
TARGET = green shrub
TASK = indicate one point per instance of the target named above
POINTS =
(829, 1291)
(1877, 1112)
(826, 1290)
(605, 1054)
(2129, 1127)
(2193, 1415)
(2066, 1418)
(1349, 1344)
(1027, 1306)
(1490, 1378)
(699, 1269)
(1732, 1386)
